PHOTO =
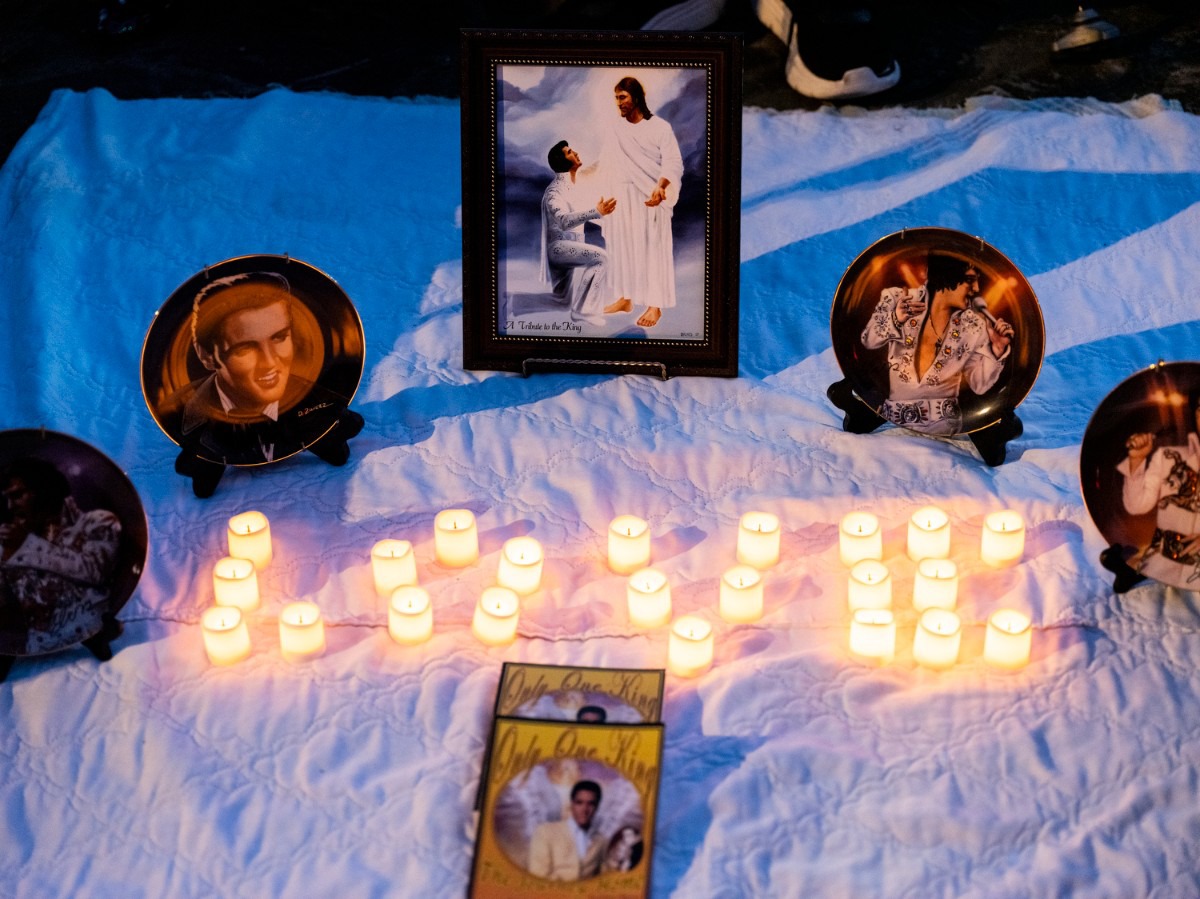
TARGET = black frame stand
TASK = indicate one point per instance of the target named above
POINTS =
(592, 366)
(991, 442)
(98, 645)
(1114, 559)
(332, 447)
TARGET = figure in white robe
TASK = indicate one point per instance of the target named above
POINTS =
(938, 339)
(642, 168)
(1166, 481)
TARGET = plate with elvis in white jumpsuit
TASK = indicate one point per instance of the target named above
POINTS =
(1140, 472)
(937, 331)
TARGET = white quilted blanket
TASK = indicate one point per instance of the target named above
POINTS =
(790, 769)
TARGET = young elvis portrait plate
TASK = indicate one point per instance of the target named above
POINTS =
(252, 360)
(937, 331)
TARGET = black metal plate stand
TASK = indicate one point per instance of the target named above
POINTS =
(991, 442)
(332, 447)
(1113, 559)
(98, 645)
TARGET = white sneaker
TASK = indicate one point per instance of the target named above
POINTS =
(830, 59)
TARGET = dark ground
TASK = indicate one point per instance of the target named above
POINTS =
(220, 48)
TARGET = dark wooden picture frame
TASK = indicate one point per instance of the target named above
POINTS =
(534, 303)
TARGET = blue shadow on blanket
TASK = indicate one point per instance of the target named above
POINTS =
(1039, 220)
(1051, 423)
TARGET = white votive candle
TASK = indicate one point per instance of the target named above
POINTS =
(690, 646)
(520, 565)
(1008, 640)
(649, 596)
(758, 539)
(938, 637)
(455, 538)
(741, 594)
(873, 634)
(1003, 541)
(226, 637)
(249, 536)
(393, 564)
(628, 544)
(928, 534)
(301, 631)
(859, 537)
(235, 583)
(496, 615)
(869, 586)
(936, 585)
(410, 615)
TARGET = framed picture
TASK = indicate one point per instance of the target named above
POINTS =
(568, 810)
(601, 201)
(937, 331)
(586, 695)
(252, 360)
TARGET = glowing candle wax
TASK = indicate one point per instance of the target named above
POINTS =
(1003, 540)
(235, 583)
(628, 544)
(1008, 640)
(869, 586)
(520, 565)
(758, 539)
(496, 616)
(859, 537)
(301, 632)
(928, 534)
(649, 596)
(873, 634)
(741, 595)
(938, 637)
(410, 615)
(690, 646)
(249, 537)
(936, 585)
(455, 538)
(393, 564)
(226, 637)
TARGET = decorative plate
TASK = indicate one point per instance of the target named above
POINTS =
(1138, 470)
(252, 360)
(73, 540)
(937, 331)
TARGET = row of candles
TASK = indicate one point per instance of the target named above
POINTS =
(519, 573)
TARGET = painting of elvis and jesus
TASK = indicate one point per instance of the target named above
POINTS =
(1140, 472)
(602, 201)
(937, 331)
(252, 360)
